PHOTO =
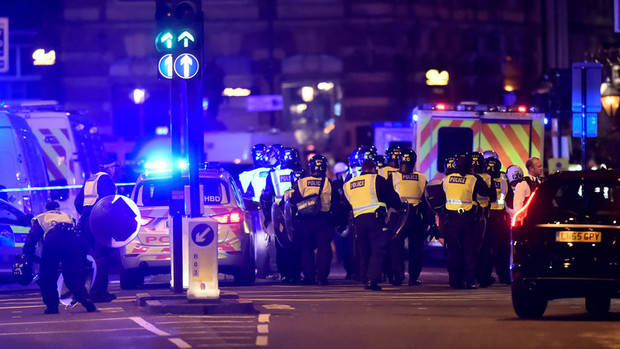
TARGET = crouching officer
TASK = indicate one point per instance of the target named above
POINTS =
(314, 197)
(461, 189)
(369, 196)
(96, 188)
(61, 246)
(410, 186)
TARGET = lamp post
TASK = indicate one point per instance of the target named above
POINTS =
(610, 98)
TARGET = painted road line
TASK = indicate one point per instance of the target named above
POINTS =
(70, 331)
(56, 321)
(23, 306)
(225, 345)
(203, 321)
(262, 341)
(278, 307)
(264, 317)
(148, 326)
(262, 328)
(179, 343)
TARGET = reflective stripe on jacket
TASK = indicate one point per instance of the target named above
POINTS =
(459, 191)
(362, 194)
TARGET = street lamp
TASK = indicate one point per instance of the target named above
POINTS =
(610, 98)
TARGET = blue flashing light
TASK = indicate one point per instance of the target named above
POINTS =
(205, 104)
(161, 166)
(546, 121)
(415, 117)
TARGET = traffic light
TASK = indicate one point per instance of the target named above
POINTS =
(179, 37)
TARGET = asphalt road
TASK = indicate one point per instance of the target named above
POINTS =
(341, 315)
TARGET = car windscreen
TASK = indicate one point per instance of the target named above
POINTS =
(156, 192)
(583, 199)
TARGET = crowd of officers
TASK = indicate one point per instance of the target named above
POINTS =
(380, 212)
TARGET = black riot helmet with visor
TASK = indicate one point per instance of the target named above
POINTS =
(318, 166)
(258, 155)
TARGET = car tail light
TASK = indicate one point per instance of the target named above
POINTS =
(145, 220)
(232, 217)
(521, 109)
(519, 216)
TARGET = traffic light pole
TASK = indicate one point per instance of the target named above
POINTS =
(176, 201)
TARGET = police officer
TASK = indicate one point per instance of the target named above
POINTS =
(498, 229)
(253, 181)
(461, 189)
(355, 167)
(436, 199)
(315, 197)
(343, 239)
(524, 190)
(279, 182)
(369, 196)
(481, 212)
(393, 158)
(410, 186)
(381, 161)
(60, 246)
(94, 189)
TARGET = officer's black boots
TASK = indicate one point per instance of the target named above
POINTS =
(51, 310)
(372, 285)
(90, 307)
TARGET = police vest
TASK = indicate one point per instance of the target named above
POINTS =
(386, 171)
(91, 194)
(281, 181)
(310, 186)
(483, 201)
(48, 220)
(410, 187)
(459, 191)
(362, 194)
(501, 187)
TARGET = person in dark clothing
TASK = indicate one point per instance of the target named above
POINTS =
(55, 229)
(94, 189)
(369, 196)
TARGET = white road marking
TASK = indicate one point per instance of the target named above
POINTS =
(264, 317)
(277, 306)
(179, 343)
(203, 322)
(56, 321)
(71, 331)
(262, 328)
(148, 326)
(262, 341)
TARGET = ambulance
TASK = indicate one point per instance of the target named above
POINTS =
(437, 131)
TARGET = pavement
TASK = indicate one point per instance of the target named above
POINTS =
(340, 315)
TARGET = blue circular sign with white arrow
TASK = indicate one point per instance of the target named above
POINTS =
(165, 66)
(186, 66)
(203, 235)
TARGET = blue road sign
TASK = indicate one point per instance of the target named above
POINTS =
(186, 66)
(264, 103)
(165, 66)
(203, 235)
(4, 44)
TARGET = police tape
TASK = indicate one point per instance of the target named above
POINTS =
(56, 187)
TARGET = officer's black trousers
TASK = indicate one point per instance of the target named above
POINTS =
(372, 243)
(316, 234)
(288, 259)
(416, 235)
(103, 257)
(61, 247)
(462, 247)
(498, 232)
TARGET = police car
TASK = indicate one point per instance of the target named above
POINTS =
(14, 228)
(150, 252)
(566, 243)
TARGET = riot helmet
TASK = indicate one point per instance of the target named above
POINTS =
(393, 156)
(450, 165)
(477, 162)
(364, 153)
(289, 158)
(272, 155)
(353, 159)
(490, 154)
(463, 163)
(494, 167)
(407, 160)
(258, 155)
(381, 161)
(514, 173)
(318, 166)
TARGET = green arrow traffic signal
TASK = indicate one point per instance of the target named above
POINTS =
(164, 41)
(167, 40)
(186, 37)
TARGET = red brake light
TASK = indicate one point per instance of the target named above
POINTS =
(228, 218)
(519, 216)
(522, 109)
(440, 106)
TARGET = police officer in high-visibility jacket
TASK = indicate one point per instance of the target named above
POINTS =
(94, 189)
(497, 236)
(481, 211)
(393, 157)
(61, 246)
(461, 189)
(369, 196)
(410, 186)
(315, 197)
(253, 181)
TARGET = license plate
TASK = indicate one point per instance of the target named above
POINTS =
(578, 236)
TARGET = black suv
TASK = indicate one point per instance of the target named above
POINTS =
(566, 243)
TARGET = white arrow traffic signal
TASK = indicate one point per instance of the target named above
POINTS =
(186, 36)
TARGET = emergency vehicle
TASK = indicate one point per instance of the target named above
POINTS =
(47, 153)
(150, 252)
(437, 131)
